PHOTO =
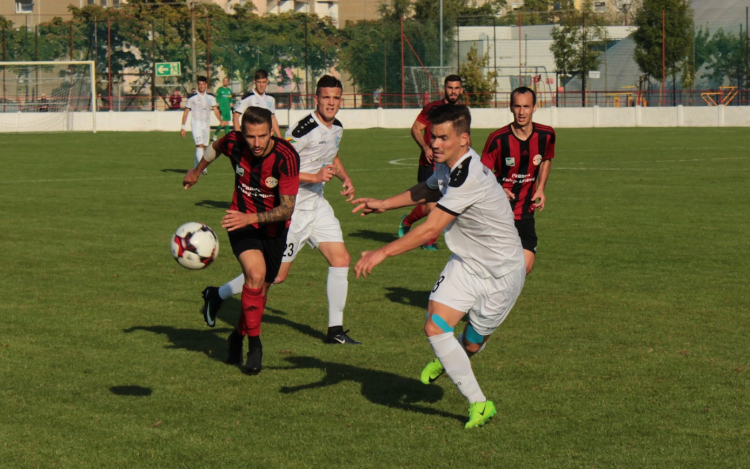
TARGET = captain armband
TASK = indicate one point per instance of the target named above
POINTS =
(209, 154)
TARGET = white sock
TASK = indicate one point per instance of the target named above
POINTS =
(198, 156)
(337, 287)
(457, 365)
(231, 288)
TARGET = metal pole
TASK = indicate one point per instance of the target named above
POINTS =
(385, 71)
(441, 36)
(109, 62)
(519, 48)
(36, 57)
(192, 42)
(584, 68)
(307, 80)
(663, 54)
(403, 102)
(208, 51)
(153, 67)
(4, 69)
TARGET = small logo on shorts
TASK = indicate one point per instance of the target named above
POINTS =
(271, 182)
(509, 161)
(537, 160)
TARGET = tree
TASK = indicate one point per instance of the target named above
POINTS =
(478, 85)
(648, 37)
(726, 61)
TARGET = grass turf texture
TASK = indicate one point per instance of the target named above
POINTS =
(627, 348)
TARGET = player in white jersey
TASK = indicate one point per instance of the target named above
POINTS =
(486, 272)
(257, 98)
(316, 138)
(201, 103)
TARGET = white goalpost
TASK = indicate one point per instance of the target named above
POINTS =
(48, 96)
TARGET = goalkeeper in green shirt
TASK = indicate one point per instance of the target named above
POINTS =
(224, 100)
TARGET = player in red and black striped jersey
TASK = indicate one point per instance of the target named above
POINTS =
(520, 154)
(420, 132)
(266, 184)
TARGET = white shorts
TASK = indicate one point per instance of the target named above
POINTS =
(201, 135)
(487, 300)
(312, 227)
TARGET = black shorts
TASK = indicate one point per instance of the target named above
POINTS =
(527, 231)
(424, 173)
(272, 248)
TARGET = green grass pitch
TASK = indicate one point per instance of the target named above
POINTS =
(627, 348)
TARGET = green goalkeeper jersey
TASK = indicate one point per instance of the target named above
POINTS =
(224, 98)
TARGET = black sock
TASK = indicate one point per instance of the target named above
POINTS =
(335, 330)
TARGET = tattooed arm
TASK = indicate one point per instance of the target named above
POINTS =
(235, 220)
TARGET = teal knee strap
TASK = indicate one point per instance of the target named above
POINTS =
(440, 322)
(472, 336)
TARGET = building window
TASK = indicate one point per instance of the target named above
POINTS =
(600, 6)
(24, 6)
(104, 3)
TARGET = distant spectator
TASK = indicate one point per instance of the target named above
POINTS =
(175, 100)
(376, 97)
(99, 102)
(43, 103)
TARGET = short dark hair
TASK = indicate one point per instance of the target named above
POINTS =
(256, 116)
(328, 81)
(259, 74)
(456, 114)
(201, 78)
(523, 90)
(452, 78)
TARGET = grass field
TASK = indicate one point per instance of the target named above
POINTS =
(629, 346)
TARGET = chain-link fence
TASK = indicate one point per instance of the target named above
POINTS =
(570, 57)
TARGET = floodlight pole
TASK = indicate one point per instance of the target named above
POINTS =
(441, 36)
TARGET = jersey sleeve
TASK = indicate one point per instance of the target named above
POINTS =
(189, 103)
(227, 143)
(549, 151)
(458, 198)
(299, 142)
(289, 170)
(241, 106)
(422, 117)
(432, 181)
(272, 104)
(212, 100)
(491, 155)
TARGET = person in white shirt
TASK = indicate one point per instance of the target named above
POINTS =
(316, 138)
(484, 276)
(201, 103)
(257, 98)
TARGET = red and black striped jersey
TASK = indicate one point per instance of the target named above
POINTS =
(516, 163)
(260, 182)
(422, 119)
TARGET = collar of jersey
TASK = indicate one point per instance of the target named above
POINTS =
(469, 152)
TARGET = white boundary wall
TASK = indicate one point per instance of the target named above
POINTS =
(680, 116)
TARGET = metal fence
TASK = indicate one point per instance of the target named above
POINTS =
(390, 63)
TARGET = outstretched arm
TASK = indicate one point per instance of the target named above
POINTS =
(418, 194)
(235, 220)
(417, 236)
(541, 183)
(346, 181)
(191, 178)
(416, 134)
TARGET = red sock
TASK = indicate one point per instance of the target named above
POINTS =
(432, 241)
(252, 311)
(416, 214)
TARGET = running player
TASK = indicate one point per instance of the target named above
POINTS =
(266, 184)
(485, 274)
(420, 132)
(258, 97)
(201, 103)
(316, 138)
(224, 100)
(520, 154)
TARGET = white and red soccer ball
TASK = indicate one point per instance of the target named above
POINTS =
(194, 245)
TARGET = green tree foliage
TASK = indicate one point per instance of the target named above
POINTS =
(478, 85)
(648, 38)
(724, 56)
(579, 40)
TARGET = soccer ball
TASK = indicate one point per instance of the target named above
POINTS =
(194, 245)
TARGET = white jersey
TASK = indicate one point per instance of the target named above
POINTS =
(201, 107)
(251, 98)
(317, 146)
(483, 235)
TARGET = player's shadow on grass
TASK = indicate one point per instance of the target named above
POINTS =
(230, 312)
(408, 297)
(212, 342)
(374, 236)
(131, 390)
(213, 204)
(174, 170)
(379, 387)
